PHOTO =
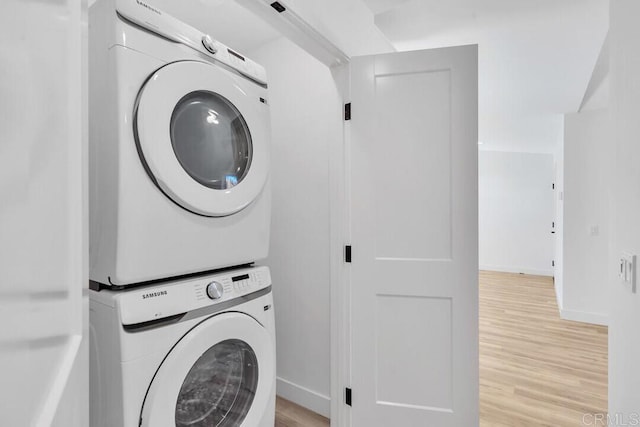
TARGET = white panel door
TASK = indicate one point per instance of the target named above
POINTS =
(43, 269)
(414, 229)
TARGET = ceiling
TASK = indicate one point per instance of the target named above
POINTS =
(535, 57)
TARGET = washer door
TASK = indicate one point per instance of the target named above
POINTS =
(221, 373)
(202, 138)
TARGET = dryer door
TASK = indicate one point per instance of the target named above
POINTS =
(221, 373)
(202, 138)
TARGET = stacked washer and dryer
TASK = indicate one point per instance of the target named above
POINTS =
(182, 326)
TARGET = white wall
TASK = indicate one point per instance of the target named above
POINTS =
(43, 229)
(587, 150)
(624, 317)
(306, 116)
(516, 211)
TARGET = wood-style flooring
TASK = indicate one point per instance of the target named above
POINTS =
(291, 415)
(535, 369)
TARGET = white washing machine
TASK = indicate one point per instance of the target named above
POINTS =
(179, 149)
(196, 353)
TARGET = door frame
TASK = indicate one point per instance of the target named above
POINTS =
(293, 27)
(339, 226)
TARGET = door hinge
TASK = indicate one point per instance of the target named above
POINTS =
(553, 185)
(347, 253)
(553, 263)
(278, 7)
(347, 396)
(347, 111)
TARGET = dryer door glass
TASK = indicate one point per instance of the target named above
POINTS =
(211, 140)
(219, 388)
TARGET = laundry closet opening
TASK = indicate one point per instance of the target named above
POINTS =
(311, 151)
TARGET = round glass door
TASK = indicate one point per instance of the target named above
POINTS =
(203, 137)
(219, 388)
(219, 374)
(211, 140)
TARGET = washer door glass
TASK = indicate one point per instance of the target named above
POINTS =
(219, 388)
(211, 140)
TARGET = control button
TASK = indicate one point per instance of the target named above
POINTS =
(214, 290)
(208, 44)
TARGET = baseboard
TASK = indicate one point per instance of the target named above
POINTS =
(557, 285)
(304, 397)
(517, 270)
(585, 317)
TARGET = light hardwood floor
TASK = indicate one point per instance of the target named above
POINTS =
(535, 369)
(291, 415)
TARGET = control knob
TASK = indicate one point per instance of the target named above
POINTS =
(208, 44)
(214, 290)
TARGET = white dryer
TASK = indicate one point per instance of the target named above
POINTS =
(196, 353)
(179, 149)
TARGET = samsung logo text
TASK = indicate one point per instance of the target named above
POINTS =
(154, 294)
(153, 9)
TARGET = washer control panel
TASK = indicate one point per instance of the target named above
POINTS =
(215, 290)
(150, 303)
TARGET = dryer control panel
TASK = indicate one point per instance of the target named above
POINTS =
(150, 17)
(149, 303)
